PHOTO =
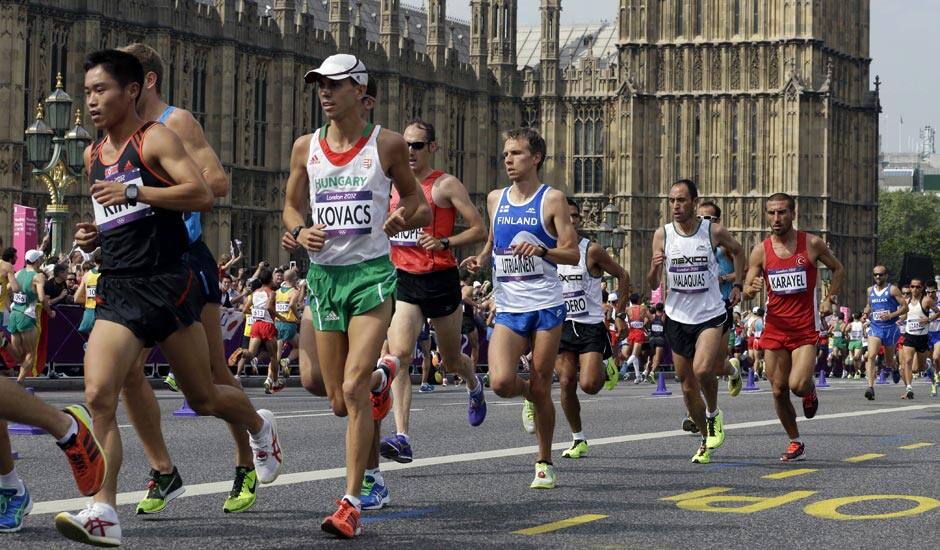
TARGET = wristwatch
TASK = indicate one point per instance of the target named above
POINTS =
(445, 242)
(544, 251)
(130, 193)
(295, 232)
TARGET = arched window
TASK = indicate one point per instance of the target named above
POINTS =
(589, 150)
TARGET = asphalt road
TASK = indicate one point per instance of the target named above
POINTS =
(469, 486)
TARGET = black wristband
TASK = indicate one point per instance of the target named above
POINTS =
(296, 231)
(544, 251)
(445, 242)
(738, 286)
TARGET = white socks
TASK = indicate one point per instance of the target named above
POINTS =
(578, 436)
(73, 429)
(12, 481)
(354, 501)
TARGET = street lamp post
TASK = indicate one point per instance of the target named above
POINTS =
(57, 154)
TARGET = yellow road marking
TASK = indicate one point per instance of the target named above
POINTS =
(789, 473)
(863, 458)
(562, 524)
(916, 446)
(698, 494)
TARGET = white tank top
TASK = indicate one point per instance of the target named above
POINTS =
(856, 330)
(934, 326)
(582, 291)
(259, 306)
(692, 276)
(916, 324)
(349, 193)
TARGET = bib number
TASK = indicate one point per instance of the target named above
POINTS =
(89, 292)
(914, 326)
(406, 238)
(108, 218)
(575, 303)
(510, 268)
(787, 281)
(19, 298)
(837, 334)
(688, 279)
(656, 328)
(636, 324)
(345, 212)
(282, 307)
(258, 312)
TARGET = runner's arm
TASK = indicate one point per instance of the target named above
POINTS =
(474, 263)
(190, 132)
(734, 249)
(412, 206)
(566, 250)
(457, 194)
(824, 255)
(755, 270)
(12, 283)
(597, 256)
(655, 275)
(39, 281)
(902, 303)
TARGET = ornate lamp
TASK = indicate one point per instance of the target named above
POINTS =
(39, 140)
(76, 140)
(59, 107)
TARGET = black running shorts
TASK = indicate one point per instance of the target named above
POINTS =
(467, 325)
(436, 293)
(581, 338)
(682, 338)
(917, 341)
(200, 260)
(152, 307)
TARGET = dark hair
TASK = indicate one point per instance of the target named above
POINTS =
(533, 138)
(9, 254)
(429, 134)
(372, 88)
(122, 66)
(227, 276)
(660, 307)
(690, 185)
(931, 283)
(635, 298)
(857, 315)
(149, 59)
(255, 284)
(760, 312)
(713, 206)
(58, 269)
(265, 276)
(574, 203)
(791, 203)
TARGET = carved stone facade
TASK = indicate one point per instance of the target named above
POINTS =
(748, 97)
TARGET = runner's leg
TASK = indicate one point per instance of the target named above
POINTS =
(402, 336)
(144, 413)
(567, 371)
(539, 389)
(448, 344)
(778, 372)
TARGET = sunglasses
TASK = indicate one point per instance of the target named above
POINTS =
(879, 274)
(416, 145)
(905, 294)
(916, 286)
(709, 218)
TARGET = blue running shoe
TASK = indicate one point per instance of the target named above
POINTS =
(396, 447)
(374, 495)
(896, 375)
(476, 413)
(13, 508)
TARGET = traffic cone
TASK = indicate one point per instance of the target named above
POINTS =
(882, 377)
(184, 410)
(661, 390)
(751, 384)
(822, 379)
(23, 429)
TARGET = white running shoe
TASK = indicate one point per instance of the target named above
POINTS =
(97, 525)
(528, 416)
(267, 449)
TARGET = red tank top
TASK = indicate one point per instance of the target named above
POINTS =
(407, 254)
(791, 288)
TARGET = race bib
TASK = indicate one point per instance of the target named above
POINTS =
(344, 212)
(837, 334)
(516, 268)
(406, 238)
(20, 298)
(108, 218)
(914, 326)
(636, 324)
(258, 312)
(656, 328)
(575, 303)
(282, 307)
(855, 335)
(688, 279)
(89, 292)
(882, 315)
(787, 281)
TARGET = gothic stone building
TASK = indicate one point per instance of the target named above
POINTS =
(747, 97)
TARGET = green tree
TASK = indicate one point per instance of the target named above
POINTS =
(908, 221)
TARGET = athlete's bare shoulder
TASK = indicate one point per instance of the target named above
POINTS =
(182, 121)
(390, 139)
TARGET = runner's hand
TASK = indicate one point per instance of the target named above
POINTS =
(526, 249)
(86, 236)
(395, 222)
(312, 238)
(735, 297)
(471, 264)
(288, 242)
(757, 284)
(658, 259)
(108, 193)
(429, 243)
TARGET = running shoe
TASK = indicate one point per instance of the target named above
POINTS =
(528, 416)
(396, 447)
(896, 376)
(374, 495)
(382, 401)
(908, 393)
(716, 430)
(870, 393)
(244, 491)
(267, 449)
(858, 376)
(344, 523)
(13, 508)
(268, 386)
(613, 377)
(285, 367)
(703, 455)
(810, 404)
(544, 476)
(637, 380)
(425, 388)
(795, 451)
(688, 425)
(734, 382)
(85, 454)
(578, 449)
(649, 377)
(170, 382)
(933, 389)
(161, 490)
(278, 386)
(486, 380)
(96, 525)
(476, 410)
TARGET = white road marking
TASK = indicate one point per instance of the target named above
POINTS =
(221, 487)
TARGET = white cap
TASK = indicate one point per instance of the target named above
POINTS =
(477, 284)
(755, 310)
(612, 297)
(33, 256)
(338, 67)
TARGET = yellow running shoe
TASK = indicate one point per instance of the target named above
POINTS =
(704, 454)
(578, 449)
(244, 491)
(544, 476)
(715, 435)
(734, 382)
(613, 376)
(528, 416)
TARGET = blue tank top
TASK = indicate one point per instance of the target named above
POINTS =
(725, 267)
(882, 301)
(523, 284)
(193, 220)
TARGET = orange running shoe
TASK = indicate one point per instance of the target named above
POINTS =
(85, 454)
(382, 401)
(344, 522)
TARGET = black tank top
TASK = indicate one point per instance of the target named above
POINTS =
(141, 241)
